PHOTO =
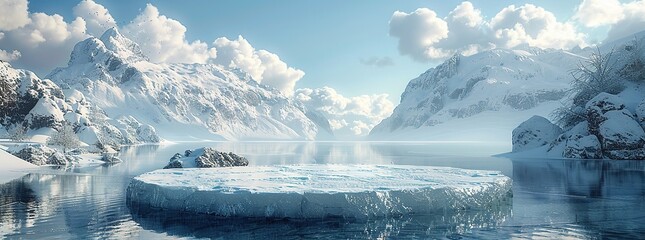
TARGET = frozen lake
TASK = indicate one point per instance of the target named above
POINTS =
(551, 198)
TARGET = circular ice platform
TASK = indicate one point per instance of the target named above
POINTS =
(319, 191)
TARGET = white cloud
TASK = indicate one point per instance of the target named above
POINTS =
(9, 56)
(348, 116)
(44, 43)
(624, 19)
(418, 32)
(13, 14)
(264, 66)
(163, 39)
(97, 17)
(424, 36)
(633, 21)
(535, 26)
(594, 13)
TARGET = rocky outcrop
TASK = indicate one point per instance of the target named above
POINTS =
(535, 132)
(41, 155)
(206, 158)
(582, 147)
(608, 130)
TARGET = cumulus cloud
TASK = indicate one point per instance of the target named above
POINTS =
(264, 66)
(348, 116)
(163, 39)
(417, 32)
(378, 62)
(13, 14)
(535, 26)
(633, 22)
(43, 43)
(9, 56)
(425, 36)
(97, 18)
(594, 13)
(624, 19)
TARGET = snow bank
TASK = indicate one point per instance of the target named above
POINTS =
(319, 191)
(12, 167)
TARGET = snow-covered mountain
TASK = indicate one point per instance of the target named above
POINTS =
(182, 101)
(480, 97)
(41, 108)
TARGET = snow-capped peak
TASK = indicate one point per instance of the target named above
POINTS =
(122, 46)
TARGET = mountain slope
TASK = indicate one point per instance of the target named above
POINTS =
(182, 101)
(480, 97)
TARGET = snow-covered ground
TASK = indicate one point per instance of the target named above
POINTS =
(318, 191)
(12, 167)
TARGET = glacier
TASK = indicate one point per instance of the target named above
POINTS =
(319, 191)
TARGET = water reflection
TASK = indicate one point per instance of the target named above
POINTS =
(208, 226)
(598, 197)
(584, 178)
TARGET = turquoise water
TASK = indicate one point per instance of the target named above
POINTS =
(551, 198)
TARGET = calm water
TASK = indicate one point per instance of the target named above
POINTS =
(551, 198)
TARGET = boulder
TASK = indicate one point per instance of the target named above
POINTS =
(598, 106)
(42, 155)
(582, 147)
(535, 132)
(620, 131)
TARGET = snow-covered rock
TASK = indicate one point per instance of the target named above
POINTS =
(42, 155)
(206, 101)
(490, 92)
(535, 132)
(206, 158)
(608, 130)
(45, 114)
(620, 131)
(582, 147)
(320, 191)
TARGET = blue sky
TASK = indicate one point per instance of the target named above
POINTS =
(325, 39)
